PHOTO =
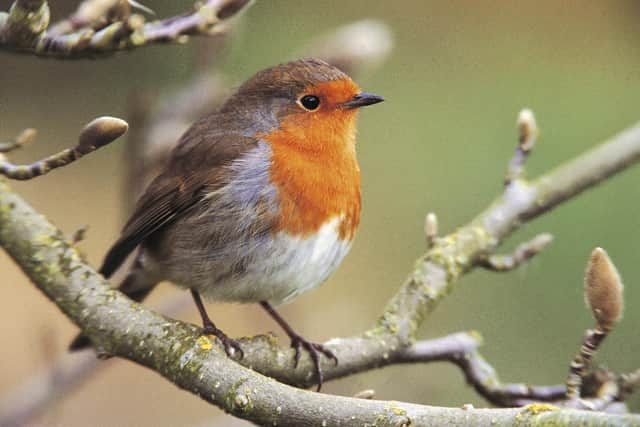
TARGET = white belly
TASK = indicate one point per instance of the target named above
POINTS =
(285, 268)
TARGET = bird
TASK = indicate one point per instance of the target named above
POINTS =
(258, 203)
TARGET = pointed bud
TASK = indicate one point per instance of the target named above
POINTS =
(431, 227)
(527, 130)
(603, 289)
(100, 132)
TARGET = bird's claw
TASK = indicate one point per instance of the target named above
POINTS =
(314, 350)
(231, 346)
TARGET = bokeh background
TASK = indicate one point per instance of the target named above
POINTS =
(458, 75)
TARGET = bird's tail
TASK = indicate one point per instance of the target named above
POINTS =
(135, 285)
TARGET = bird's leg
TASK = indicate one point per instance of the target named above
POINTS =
(208, 328)
(298, 342)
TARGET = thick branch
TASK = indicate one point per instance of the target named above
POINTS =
(440, 268)
(172, 348)
(32, 397)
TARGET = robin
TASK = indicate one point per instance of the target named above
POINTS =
(259, 201)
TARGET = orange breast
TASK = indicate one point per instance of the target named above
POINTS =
(315, 170)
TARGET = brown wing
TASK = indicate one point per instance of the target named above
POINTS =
(195, 168)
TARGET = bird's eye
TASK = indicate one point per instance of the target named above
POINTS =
(310, 102)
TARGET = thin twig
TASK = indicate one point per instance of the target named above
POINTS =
(25, 137)
(431, 229)
(484, 379)
(527, 135)
(461, 349)
(598, 393)
(94, 135)
(582, 362)
(523, 253)
(78, 235)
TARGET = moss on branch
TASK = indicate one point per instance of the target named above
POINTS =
(123, 328)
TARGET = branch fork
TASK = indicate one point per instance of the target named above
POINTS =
(86, 298)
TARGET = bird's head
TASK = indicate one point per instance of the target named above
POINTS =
(308, 101)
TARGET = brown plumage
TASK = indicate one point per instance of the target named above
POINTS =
(259, 201)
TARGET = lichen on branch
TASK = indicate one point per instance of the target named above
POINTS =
(172, 348)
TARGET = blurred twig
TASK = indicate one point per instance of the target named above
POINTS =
(27, 136)
(355, 48)
(78, 235)
(157, 126)
(31, 398)
(100, 27)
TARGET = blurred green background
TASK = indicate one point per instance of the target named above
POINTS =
(459, 73)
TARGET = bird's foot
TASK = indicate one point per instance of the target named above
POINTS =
(231, 346)
(314, 350)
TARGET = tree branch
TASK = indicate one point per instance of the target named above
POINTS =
(440, 268)
(25, 137)
(174, 350)
(96, 134)
(31, 398)
(102, 27)
(523, 253)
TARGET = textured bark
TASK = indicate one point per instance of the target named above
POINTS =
(172, 348)
(99, 29)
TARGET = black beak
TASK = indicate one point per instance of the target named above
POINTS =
(363, 99)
